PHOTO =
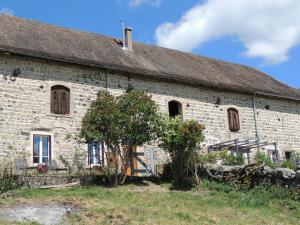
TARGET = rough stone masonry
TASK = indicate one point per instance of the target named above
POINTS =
(25, 108)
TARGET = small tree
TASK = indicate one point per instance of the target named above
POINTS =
(131, 118)
(181, 140)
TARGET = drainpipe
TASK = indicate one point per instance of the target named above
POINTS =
(255, 119)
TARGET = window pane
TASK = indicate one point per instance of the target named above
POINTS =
(90, 154)
(97, 154)
(45, 144)
(36, 146)
(41, 144)
(35, 159)
(45, 159)
(94, 154)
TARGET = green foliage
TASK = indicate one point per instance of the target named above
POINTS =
(225, 156)
(260, 196)
(102, 121)
(232, 160)
(212, 157)
(288, 164)
(6, 184)
(141, 121)
(261, 158)
(131, 118)
(181, 140)
(7, 181)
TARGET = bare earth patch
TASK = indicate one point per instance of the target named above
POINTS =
(45, 214)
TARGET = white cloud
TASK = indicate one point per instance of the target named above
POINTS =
(6, 11)
(140, 2)
(267, 28)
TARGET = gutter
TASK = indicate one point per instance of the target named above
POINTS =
(255, 120)
(254, 115)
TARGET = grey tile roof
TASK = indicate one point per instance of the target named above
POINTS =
(36, 39)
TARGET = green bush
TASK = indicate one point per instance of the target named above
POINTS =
(288, 164)
(262, 158)
(6, 184)
(259, 196)
(232, 160)
(225, 156)
(212, 157)
(7, 181)
(132, 119)
(181, 139)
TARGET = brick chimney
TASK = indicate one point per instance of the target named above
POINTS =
(128, 38)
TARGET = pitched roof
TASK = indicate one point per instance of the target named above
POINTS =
(36, 39)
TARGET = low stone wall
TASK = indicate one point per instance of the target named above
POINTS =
(42, 180)
(281, 176)
(253, 175)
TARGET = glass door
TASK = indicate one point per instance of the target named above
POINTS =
(41, 148)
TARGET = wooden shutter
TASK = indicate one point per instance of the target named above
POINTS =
(64, 101)
(233, 120)
(55, 101)
(60, 100)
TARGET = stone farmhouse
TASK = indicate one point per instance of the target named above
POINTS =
(49, 75)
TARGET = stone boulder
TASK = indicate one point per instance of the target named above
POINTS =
(285, 173)
(224, 169)
(268, 171)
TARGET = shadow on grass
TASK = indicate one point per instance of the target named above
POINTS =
(102, 181)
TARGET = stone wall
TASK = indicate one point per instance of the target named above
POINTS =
(252, 175)
(25, 108)
(46, 180)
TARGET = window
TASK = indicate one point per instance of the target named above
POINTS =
(233, 120)
(288, 155)
(60, 100)
(41, 148)
(175, 109)
(95, 154)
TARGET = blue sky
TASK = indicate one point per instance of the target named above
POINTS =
(263, 35)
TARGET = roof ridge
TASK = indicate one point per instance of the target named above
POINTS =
(42, 40)
(134, 42)
(58, 26)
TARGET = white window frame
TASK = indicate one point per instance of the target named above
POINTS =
(50, 146)
(102, 157)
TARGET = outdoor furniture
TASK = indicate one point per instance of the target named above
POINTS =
(21, 165)
(52, 165)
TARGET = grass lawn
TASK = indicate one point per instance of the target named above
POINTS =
(156, 204)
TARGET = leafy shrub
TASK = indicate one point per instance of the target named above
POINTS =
(131, 118)
(262, 158)
(260, 196)
(218, 186)
(288, 164)
(212, 157)
(167, 172)
(232, 160)
(181, 140)
(7, 181)
(6, 184)
(225, 156)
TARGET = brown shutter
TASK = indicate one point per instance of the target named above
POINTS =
(55, 101)
(237, 120)
(233, 120)
(60, 100)
(64, 102)
(230, 122)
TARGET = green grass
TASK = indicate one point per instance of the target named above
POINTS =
(154, 204)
